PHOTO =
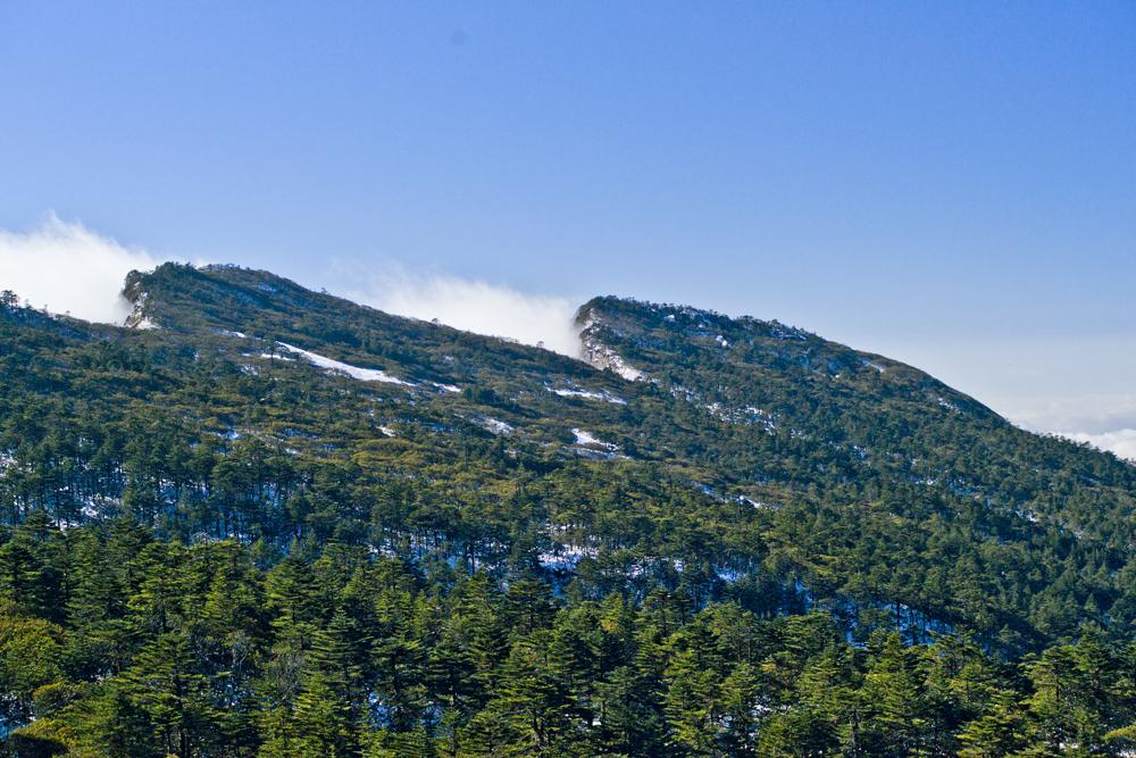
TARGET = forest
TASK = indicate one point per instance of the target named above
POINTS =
(265, 521)
(122, 644)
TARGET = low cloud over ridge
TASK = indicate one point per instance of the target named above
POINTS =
(476, 306)
(67, 268)
(1122, 442)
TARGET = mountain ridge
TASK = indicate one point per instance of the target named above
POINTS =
(134, 293)
(259, 514)
(697, 408)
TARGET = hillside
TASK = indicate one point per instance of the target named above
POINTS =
(248, 462)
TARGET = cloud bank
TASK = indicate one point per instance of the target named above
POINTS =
(476, 306)
(1122, 442)
(1105, 421)
(67, 268)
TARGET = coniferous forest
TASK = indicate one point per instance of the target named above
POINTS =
(264, 521)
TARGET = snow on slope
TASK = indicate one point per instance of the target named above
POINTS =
(330, 364)
(495, 426)
(446, 387)
(605, 396)
(589, 439)
(603, 357)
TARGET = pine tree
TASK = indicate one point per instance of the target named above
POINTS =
(163, 681)
(1001, 730)
(893, 700)
(530, 714)
(630, 721)
(399, 660)
(694, 679)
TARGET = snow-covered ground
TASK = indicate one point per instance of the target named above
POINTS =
(601, 356)
(446, 387)
(355, 372)
(496, 426)
(590, 440)
(617, 364)
(565, 557)
(603, 395)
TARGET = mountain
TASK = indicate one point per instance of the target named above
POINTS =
(687, 463)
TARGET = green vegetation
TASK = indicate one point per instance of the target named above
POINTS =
(122, 644)
(769, 544)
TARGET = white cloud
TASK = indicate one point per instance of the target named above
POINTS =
(476, 306)
(1122, 442)
(66, 267)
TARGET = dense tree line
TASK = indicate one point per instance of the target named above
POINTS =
(114, 643)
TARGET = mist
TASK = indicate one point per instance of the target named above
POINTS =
(475, 306)
(67, 268)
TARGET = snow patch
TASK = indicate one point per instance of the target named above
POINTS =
(565, 557)
(589, 446)
(603, 357)
(603, 395)
(756, 504)
(747, 415)
(588, 439)
(629, 373)
(446, 387)
(729, 575)
(495, 426)
(355, 372)
(138, 318)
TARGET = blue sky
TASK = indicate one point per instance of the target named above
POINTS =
(953, 184)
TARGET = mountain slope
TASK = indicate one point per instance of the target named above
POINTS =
(720, 458)
(892, 417)
(264, 521)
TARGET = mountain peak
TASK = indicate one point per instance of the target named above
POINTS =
(745, 428)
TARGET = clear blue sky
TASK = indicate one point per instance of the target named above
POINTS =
(899, 175)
